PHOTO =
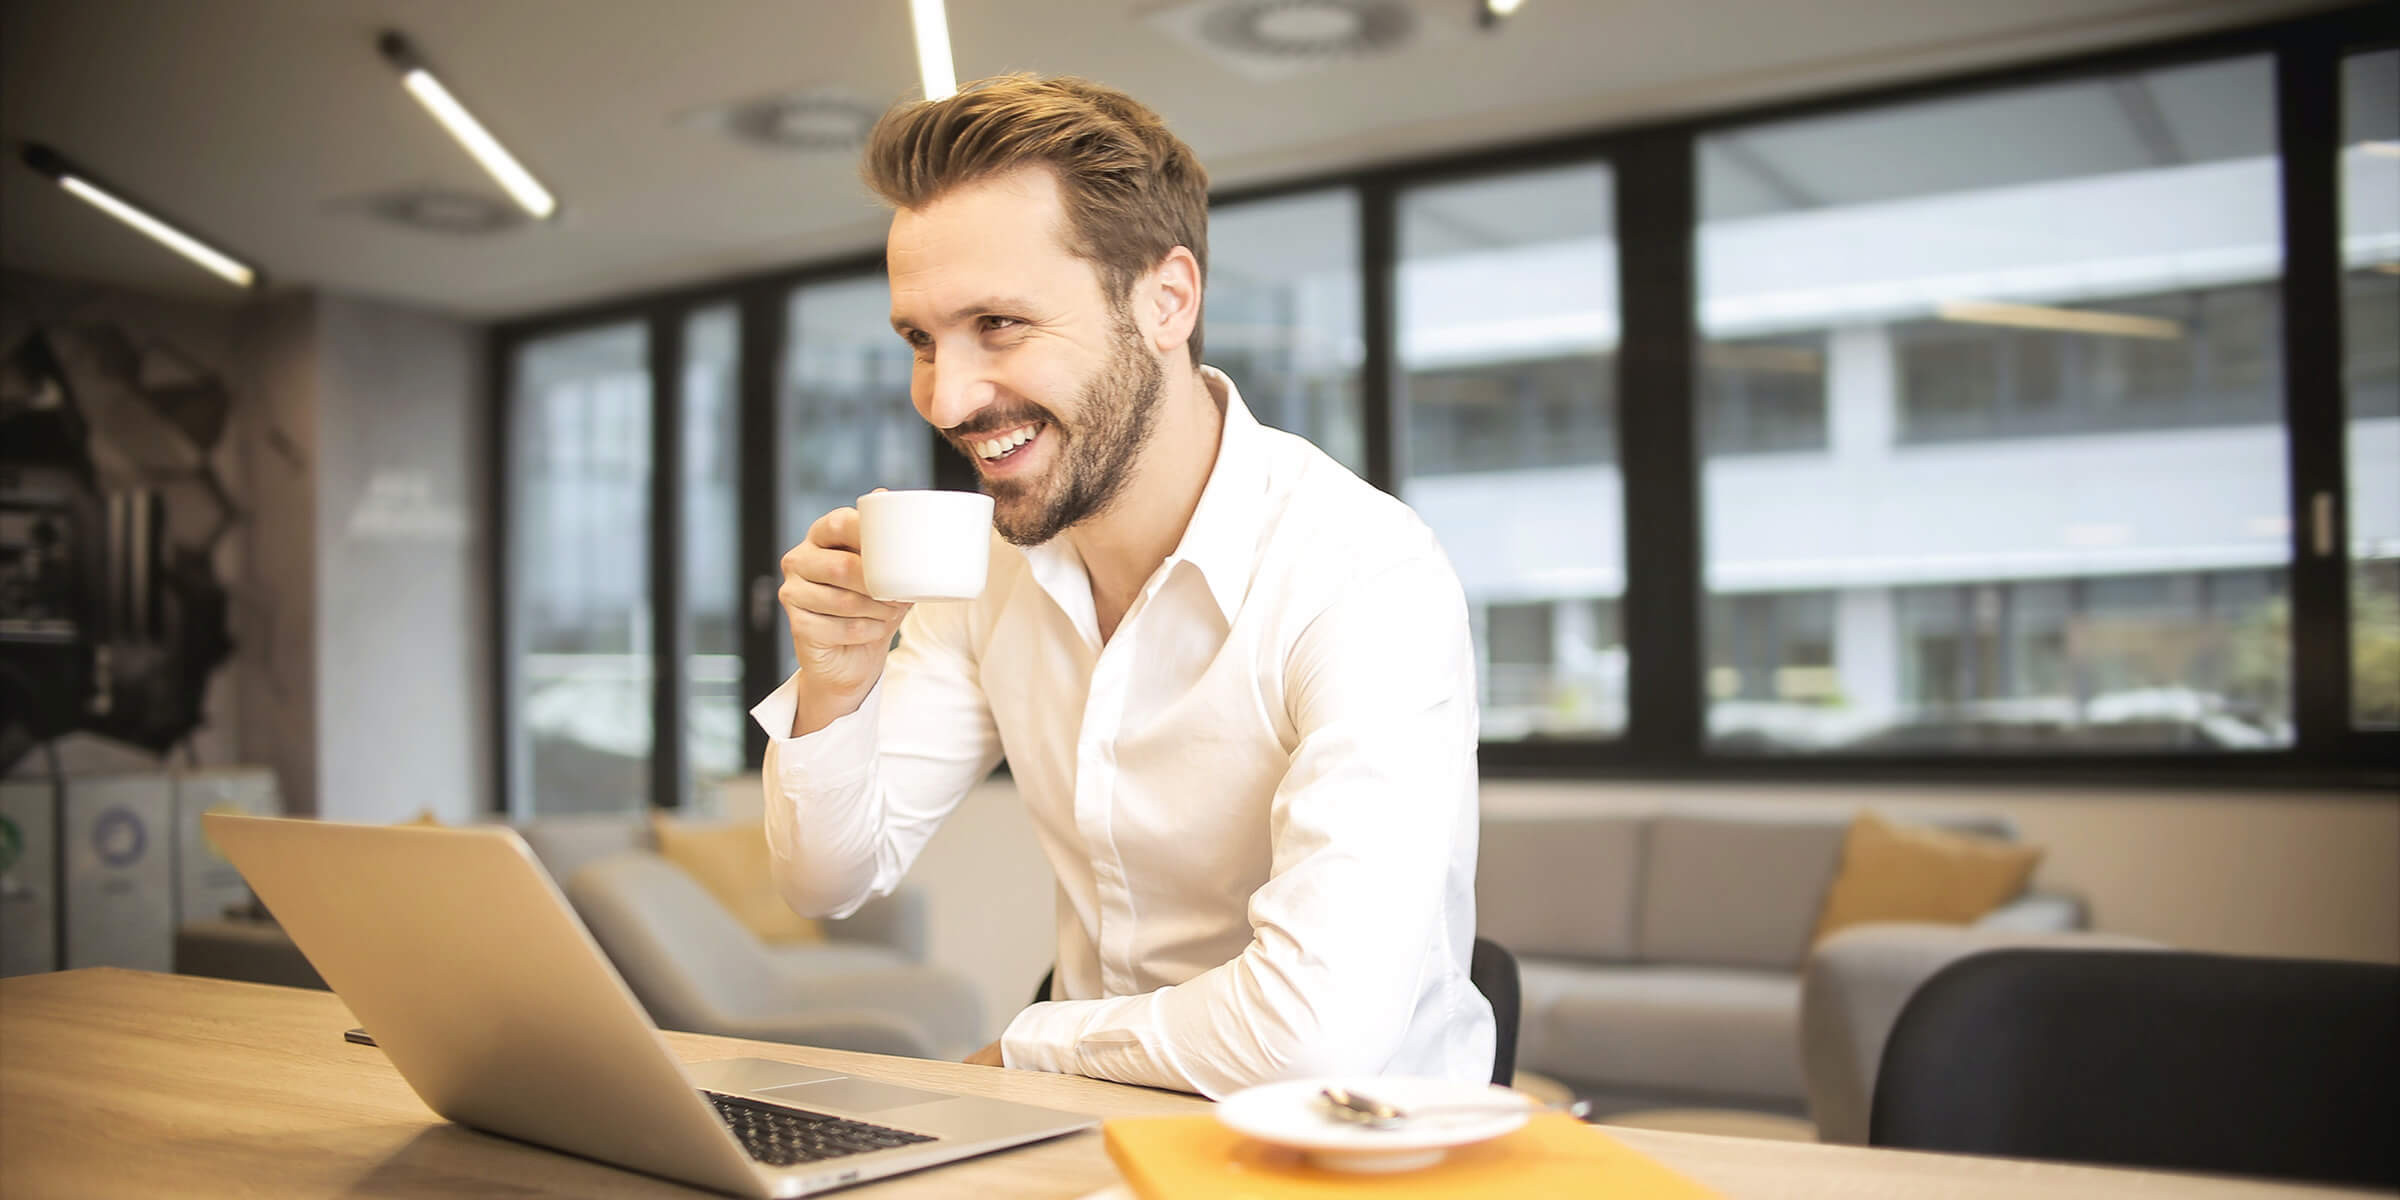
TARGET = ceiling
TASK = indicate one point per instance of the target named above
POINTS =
(272, 125)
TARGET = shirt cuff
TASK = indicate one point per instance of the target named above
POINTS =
(847, 741)
(1037, 1039)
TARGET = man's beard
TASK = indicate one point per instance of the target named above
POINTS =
(1118, 413)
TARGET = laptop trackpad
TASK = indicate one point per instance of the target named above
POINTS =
(851, 1095)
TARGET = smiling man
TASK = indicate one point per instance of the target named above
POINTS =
(1233, 683)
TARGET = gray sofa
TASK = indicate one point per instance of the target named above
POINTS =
(1661, 953)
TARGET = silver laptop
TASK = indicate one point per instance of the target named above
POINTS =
(463, 960)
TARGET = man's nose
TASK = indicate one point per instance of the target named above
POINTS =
(953, 388)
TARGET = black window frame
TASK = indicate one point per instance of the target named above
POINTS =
(1655, 193)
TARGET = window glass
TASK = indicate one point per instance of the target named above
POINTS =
(711, 574)
(579, 573)
(1507, 340)
(2017, 356)
(844, 422)
(2371, 374)
(2209, 356)
(1764, 394)
(1283, 315)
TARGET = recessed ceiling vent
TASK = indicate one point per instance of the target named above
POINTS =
(786, 121)
(442, 210)
(1275, 39)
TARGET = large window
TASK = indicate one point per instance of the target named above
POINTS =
(1283, 319)
(579, 582)
(1506, 344)
(2370, 183)
(2029, 350)
(1981, 427)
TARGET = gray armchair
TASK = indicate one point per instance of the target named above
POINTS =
(889, 932)
(697, 969)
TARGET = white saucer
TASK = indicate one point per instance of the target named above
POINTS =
(1293, 1114)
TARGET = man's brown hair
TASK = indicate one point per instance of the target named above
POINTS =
(1132, 190)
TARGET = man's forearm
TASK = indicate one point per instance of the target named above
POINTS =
(823, 820)
(850, 804)
(821, 839)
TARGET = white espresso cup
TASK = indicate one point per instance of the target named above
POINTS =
(925, 545)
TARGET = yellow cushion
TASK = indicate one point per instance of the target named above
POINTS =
(424, 817)
(1890, 873)
(732, 863)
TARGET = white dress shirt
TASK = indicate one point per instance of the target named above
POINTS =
(1259, 794)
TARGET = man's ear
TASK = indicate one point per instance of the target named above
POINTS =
(1170, 300)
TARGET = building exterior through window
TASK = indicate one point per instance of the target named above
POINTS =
(1990, 400)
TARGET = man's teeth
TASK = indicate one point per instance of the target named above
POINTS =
(995, 447)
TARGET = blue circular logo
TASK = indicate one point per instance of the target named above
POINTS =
(119, 837)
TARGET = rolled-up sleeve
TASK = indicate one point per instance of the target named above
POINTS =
(849, 807)
(1372, 824)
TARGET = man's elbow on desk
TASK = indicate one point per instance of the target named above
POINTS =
(1203, 1044)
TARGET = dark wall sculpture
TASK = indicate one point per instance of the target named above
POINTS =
(111, 509)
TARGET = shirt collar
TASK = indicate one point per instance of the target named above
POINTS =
(1220, 541)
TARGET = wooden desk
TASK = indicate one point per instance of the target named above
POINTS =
(121, 1083)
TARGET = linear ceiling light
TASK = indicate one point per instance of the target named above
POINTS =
(1489, 13)
(2065, 320)
(512, 176)
(933, 48)
(82, 185)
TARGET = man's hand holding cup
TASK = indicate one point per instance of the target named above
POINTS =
(847, 586)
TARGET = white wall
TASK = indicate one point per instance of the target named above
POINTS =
(404, 697)
(2302, 874)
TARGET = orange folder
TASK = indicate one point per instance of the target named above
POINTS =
(1191, 1158)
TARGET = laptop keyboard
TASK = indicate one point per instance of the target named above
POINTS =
(783, 1137)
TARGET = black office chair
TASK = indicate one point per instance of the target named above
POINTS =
(2201, 1062)
(1492, 969)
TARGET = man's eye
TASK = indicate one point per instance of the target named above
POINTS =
(996, 324)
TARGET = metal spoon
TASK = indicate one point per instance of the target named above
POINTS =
(1343, 1104)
